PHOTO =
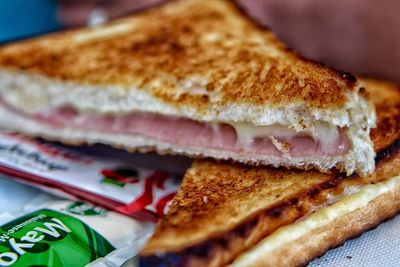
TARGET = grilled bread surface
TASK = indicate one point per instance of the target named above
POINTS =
(200, 59)
(228, 56)
(223, 210)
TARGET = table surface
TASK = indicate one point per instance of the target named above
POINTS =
(378, 247)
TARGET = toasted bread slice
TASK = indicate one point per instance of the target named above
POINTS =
(200, 60)
(222, 210)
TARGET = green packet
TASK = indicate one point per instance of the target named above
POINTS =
(66, 233)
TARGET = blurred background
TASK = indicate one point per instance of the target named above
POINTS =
(358, 36)
(25, 18)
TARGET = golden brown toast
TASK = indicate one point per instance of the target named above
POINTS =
(211, 39)
(202, 60)
(222, 210)
(386, 98)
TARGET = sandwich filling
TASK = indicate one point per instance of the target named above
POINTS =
(276, 140)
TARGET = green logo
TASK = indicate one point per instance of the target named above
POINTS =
(50, 238)
(120, 176)
(85, 209)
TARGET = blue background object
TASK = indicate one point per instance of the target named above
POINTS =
(25, 18)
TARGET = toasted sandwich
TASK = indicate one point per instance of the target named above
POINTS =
(194, 77)
(259, 216)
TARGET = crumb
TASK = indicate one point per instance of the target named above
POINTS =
(349, 257)
(287, 146)
(302, 124)
(205, 199)
(283, 147)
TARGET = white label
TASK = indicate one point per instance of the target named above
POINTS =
(111, 178)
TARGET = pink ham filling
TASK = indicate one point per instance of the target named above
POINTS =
(190, 133)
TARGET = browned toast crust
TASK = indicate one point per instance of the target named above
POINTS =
(386, 98)
(318, 241)
(211, 39)
(210, 225)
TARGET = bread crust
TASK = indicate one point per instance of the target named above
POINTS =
(186, 42)
(386, 98)
(318, 241)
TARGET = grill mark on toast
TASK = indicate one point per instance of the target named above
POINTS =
(388, 152)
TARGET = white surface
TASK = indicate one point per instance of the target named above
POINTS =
(379, 247)
(14, 196)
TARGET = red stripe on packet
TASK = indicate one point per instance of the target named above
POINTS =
(162, 203)
(146, 198)
(136, 209)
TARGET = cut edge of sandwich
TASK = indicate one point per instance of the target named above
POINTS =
(355, 119)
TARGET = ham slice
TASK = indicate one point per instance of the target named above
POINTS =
(187, 132)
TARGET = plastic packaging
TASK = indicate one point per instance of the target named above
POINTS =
(114, 183)
(66, 233)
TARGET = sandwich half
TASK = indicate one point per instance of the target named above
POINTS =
(237, 215)
(194, 77)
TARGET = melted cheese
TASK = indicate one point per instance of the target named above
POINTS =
(246, 132)
(322, 217)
